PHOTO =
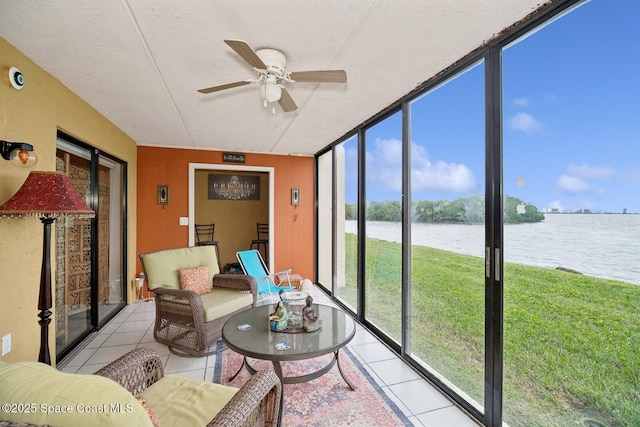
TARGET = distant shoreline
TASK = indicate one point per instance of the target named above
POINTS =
(559, 240)
(590, 213)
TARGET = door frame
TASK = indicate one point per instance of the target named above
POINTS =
(208, 166)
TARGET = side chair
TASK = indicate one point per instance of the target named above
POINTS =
(262, 239)
(204, 237)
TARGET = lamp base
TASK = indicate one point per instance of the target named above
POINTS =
(45, 297)
(45, 319)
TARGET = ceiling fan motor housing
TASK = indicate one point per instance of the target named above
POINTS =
(275, 61)
(271, 65)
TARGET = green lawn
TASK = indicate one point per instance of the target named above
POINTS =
(571, 342)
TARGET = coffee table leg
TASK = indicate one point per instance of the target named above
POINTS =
(342, 373)
(244, 364)
(278, 370)
(232, 377)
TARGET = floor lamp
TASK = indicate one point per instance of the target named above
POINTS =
(48, 195)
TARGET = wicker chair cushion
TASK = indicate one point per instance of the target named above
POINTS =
(152, 415)
(184, 401)
(195, 279)
(162, 266)
(221, 302)
(33, 382)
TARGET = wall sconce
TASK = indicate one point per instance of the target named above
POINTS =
(163, 195)
(20, 154)
(295, 196)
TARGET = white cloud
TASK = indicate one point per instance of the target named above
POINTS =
(350, 159)
(573, 184)
(579, 180)
(520, 102)
(525, 122)
(384, 166)
(556, 204)
(589, 172)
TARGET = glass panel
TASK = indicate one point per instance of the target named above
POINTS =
(110, 269)
(571, 276)
(73, 256)
(346, 176)
(325, 213)
(447, 232)
(383, 251)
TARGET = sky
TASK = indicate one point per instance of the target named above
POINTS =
(571, 121)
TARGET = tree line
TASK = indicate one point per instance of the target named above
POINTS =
(464, 210)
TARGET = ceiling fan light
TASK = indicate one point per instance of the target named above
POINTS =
(272, 93)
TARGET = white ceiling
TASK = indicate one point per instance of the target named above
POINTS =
(140, 62)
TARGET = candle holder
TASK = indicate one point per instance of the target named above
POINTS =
(139, 285)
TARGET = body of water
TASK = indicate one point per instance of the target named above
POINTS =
(600, 245)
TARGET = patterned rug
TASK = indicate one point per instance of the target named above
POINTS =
(327, 400)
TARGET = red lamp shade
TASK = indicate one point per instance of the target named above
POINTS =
(46, 193)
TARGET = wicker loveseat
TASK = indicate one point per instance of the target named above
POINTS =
(186, 321)
(132, 391)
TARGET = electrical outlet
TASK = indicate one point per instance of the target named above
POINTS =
(6, 344)
(184, 220)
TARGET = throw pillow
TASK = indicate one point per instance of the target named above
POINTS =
(195, 279)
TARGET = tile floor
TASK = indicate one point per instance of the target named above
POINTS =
(423, 404)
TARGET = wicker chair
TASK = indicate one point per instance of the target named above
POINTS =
(257, 403)
(184, 319)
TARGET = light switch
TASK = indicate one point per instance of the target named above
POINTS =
(184, 220)
(6, 344)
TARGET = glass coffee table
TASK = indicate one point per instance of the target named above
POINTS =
(258, 340)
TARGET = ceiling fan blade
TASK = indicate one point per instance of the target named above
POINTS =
(324, 76)
(286, 102)
(223, 87)
(243, 49)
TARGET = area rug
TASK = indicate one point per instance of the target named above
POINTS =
(325, 401)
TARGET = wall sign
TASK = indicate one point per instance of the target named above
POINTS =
(233, 158)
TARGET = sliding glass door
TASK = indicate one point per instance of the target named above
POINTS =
(111, 283)
(90, 253)
(324, 191)
(346, 255)
(572, 225)
(73, 254)
(382, 282)
(447, 232)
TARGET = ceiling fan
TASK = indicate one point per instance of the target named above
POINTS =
(270, 65)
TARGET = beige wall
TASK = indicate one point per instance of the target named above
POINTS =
(235, 220)
(34, 115)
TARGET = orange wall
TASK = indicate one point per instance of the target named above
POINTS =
(158, 226)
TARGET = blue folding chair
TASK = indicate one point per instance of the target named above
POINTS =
(253, 265)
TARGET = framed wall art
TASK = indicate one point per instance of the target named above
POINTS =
(234, 187)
